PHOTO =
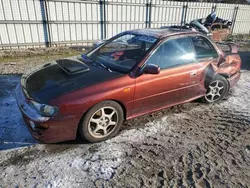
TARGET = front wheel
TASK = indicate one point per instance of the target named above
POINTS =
(102, 121)
(216, 90)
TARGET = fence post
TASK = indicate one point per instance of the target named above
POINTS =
(104, 19)
(213, 8)
(184, 14)
(234, 17)
(148, 14)
(101, 17)
(46, 29)
(147, 7)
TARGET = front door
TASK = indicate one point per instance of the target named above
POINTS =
(179, 71)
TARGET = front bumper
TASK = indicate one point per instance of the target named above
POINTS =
(58, 130)
(234, 79)
(26, 109)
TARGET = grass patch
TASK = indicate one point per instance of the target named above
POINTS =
(42, 57)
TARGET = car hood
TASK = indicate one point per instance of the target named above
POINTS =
(52, 80)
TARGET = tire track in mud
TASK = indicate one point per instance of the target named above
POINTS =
(210, 144)
(215, 160)
(224, 138)
(190, 174)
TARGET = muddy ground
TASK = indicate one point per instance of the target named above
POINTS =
(21, 60)
(190, 145)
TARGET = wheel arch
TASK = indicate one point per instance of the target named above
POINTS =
(123, 108)
(211, 73)
(224, 75)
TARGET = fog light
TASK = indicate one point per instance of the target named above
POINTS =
(37, 127)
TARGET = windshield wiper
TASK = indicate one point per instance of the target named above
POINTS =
(103, 66)
(89, 60)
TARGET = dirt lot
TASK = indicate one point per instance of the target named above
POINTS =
(21, 60)
(190, 145)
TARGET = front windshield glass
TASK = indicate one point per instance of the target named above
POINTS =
(122, 53)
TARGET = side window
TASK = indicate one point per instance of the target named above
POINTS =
(203, 48)
(173, 52)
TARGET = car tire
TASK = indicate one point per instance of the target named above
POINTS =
(102, 121)
(217, 89)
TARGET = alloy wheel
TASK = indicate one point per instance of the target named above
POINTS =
(103, 122)
(214, 91)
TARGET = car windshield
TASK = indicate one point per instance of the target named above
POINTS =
(123, 52)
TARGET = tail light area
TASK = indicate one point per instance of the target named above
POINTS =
(234, 62)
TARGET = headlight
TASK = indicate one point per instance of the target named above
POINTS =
(44, 109)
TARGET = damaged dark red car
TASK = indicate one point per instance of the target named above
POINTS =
(134, 73)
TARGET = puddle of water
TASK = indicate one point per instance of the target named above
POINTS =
(13, 131)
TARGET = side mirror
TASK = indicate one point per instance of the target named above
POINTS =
(151, 69)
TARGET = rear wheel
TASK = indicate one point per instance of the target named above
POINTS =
(102, 121)
(216, 90)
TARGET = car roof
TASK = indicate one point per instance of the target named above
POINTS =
(160, 32)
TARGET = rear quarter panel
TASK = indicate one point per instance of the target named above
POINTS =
(231, 66)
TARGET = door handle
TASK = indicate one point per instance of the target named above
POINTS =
(192, 74)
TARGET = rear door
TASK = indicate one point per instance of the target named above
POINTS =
(179, 71)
